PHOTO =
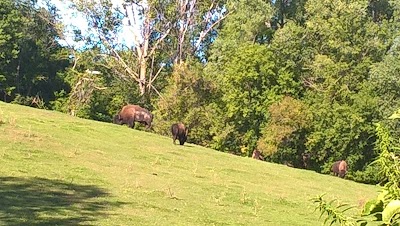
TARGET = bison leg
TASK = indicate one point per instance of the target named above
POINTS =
(131, 123)
(148, 125)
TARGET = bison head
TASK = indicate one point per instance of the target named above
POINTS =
(117, 119)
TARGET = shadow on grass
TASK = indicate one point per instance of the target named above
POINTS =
(39, 201)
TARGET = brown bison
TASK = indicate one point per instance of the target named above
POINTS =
(130, 114)
(180, 132)
(339, 168)
(257, 155)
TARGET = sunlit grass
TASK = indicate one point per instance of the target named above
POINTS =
(56, 169)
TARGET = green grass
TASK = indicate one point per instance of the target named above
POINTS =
(57, 169)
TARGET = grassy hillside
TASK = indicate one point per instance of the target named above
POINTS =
(60, 170)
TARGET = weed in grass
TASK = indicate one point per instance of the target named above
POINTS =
(170, 163)
(283, 201)
(74, 153)
(29, 131)
(30, 134)
(257, 207)
(28, 155)
(156, 161)
(137, 184)
(243, 196)
(215, 177)
(171, 194)
(129, 168)
(12, 121)
(195, 167)
(218, 199)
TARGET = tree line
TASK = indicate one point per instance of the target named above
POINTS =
(289, 78)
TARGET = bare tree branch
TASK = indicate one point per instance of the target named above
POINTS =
(204, 33)
(155, 76)
(153, 49)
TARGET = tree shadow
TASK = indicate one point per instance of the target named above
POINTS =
(40, 201)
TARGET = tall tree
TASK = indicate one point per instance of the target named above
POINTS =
(188, 98)
(32, 55)
(11, 31)
(243, 71)
(343, 42)
(156, 26)
(289, 120)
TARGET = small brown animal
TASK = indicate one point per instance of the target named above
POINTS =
(180, 132)
(257, 155)
(339, 168)
(130, 114)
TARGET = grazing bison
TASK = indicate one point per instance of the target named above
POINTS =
(180, 132)
(257, 155)
(339, 168)
(130, 114)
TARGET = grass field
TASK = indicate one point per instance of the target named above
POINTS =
(57, 169)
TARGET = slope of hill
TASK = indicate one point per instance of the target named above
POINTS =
(57, 169)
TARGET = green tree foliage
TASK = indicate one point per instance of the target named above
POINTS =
(285, 131)
(345, 42)
(94, 92)
(384, 77)
(187, 98)
(385, 209)
(243, 72)
(30, 56)
(341, 132)
(342, 42)
(245, 84)
(290, 55)
(11, 24)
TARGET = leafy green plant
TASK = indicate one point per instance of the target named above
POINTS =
(335, 213)
(385, 209)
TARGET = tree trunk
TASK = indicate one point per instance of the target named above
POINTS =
(142, 77)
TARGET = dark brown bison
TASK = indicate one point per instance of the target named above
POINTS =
(130, 114)
(180, 132)
(257, 155)
(339, 168)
